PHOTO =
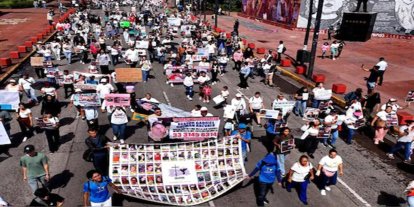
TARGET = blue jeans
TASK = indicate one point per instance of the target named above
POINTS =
(68, 56)
(334, 137)
(301, 187)
(31, 94)
(281, 160)
(48, 58)
(315, 103)
(351, 133)
(189, 91)
(119, 130)
(145, 75)
(327, 181)
(263, 190)
(407, 149)
(33, 182)
(161, 59)
(300, 107)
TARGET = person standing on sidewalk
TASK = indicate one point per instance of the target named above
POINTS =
(269, 172)
(236, 27)
(95, 190)
(255, 105)
(328, 168)
(238, 58)
(406, 133)
(373, 77)
(382, 64)
(280, 50)
(35, 167)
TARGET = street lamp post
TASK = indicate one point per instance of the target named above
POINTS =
(315, 39)
(215, 14)
(305, 42)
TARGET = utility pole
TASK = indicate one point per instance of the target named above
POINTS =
(305, 42)
(204, 9)
(315, 38)
(215, 13)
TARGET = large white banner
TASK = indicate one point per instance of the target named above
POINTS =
(174, 21)
(181, 174)
(194, 128)
(142, 44)
(9, 100)
(4, 138)
(323, 95)
(283, 106)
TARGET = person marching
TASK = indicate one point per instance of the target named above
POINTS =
(328, 168)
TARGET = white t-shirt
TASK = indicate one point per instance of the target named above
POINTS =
(49, 91)
(152, 100)
(119, 117)
(382, 65)
(24, 113)
(382, 115)
(256, 103)
(280, 48)
(102, 89)
(394, 107)
(211, 48)
(203, 79)
(300, 172)
(331, 164)
(225, 94)
(407, 138)
(26, 83)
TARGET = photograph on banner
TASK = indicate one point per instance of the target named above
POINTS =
(200, 54)
(187, 26)
(141, 44)
(128, 75)
(9, 100)
(324, 132)
(322, 95)
(36, 61)
(86, 99)
(283, 106)
(180, 174)
(269, 113)
(311, 114)
(116, 99)
(98, 77)
(194, 128)
(392, 119)
(287, 145)
(410, 96)
(4, 138)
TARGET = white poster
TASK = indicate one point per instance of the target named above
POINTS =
(323, 94)
(194, 128)
(284, 106)
(4, 138)
(229, 111)
(174, 21)
(179, 172)
(9, 100)
(142, 44)
(269, 114)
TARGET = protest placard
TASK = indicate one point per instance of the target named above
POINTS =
(229, 112)
(36, 61)
(85, 87)
(115, 99)
(174, 21)
(283, 106)
(311, 114)
(322, 94)
(42, 124)
(324, 132)
(287, 145)
(4, 138)
(86, 99)
(218, 99)
(87, 76)
(181, 174)
(128, 75)
(139, 117)
(142, 44)
(410, 96)
(392, 119)
(269, 114)
(200, 54)
(9, 100)
(194, 128)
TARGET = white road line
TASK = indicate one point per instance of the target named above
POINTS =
(166, 98)
(354, 193)
(211, 204)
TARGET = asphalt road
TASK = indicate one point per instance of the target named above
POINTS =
(370, 179)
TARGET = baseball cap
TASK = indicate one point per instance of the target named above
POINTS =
(393, 100)
(104, 81)
(242, 126)
(28, 148)
(203, 108)
(238, 95)
(12, 81)
(78, 90)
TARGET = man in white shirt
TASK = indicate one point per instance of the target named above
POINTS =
(239, 104)
(189, 84)
(103, 89)
(406, 133)
(211, 48)
(132, 56)
(255, 104)
(280, 50)
(26, 83)
(382, 67)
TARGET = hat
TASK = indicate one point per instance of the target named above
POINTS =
(28, 148)
(104, 81)
(203, 108)
(242, 126)
(238, 95)
(12, 81)
(78, 90)
(393, 100)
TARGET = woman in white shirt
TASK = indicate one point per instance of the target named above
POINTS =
(52, 131)
(309, 136)
(255, 104)
(145, 67)
(25, 119)
(299, 177)
(380, 124)
(328, 168)
(119, 120)
(351, 123)
(67, 51)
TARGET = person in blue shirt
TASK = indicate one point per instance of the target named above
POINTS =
(95, 191)
(269, 172)
(245, 136)
(244, 75)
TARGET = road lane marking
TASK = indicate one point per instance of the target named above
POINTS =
(211, 204)
(166, 98)
(354, 193)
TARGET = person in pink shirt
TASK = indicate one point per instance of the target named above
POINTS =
(325, 47)
(238, 58)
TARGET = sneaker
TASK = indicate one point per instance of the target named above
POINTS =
(391, 156)
(190, 98)
(327, 188)
(199, 98)
(122, 141)
(325, 145)
(376, 142)
(331, 146)
(115, 138)
(24, 139)
(266, 201)
(323, 192)
(172, 85)
(407, 162)
(208, 101)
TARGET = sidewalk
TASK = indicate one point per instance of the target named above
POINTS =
(398, 79)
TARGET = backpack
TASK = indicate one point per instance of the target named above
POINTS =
(284, 50)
